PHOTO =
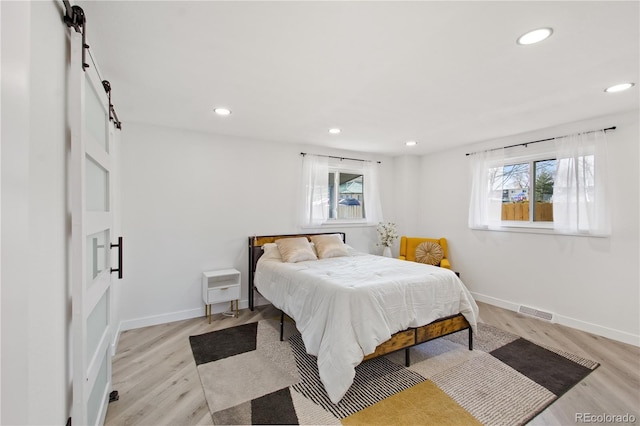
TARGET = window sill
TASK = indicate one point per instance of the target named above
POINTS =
(544, 226)
(528, 228)
(341, 224)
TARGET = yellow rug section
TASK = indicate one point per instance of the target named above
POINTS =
(423, 404)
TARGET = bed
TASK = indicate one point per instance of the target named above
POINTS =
(355, 306)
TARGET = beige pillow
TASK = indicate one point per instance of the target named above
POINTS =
(295, 249)
(271, 252)
(430, 253)
(329, 246)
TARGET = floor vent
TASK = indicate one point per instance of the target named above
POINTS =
(548, 316)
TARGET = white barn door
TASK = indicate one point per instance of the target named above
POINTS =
(91, 193)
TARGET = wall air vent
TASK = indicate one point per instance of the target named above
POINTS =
(547, 316)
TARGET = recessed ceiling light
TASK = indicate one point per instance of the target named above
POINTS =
(619, 87)
(334, 131)
(535, 36)
(411, 143)
(222, 111)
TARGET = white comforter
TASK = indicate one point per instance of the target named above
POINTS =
(346, 306)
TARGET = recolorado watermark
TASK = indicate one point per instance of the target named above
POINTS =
(605, 418)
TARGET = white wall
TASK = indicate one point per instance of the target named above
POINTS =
(15, 180)
(589, 283)
(190, 202)
(407, 191)
(35, 295)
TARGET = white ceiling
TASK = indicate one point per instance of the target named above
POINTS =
(442, 73)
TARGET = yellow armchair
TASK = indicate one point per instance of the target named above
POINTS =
(408, 247)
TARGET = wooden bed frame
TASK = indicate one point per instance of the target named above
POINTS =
(401, 340)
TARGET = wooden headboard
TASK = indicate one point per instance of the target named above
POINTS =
(255, 251)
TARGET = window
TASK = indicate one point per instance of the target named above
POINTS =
(339, 191)
(560, 186)
(346, 198)
(527, 191)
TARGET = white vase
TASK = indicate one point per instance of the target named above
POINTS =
(386, 252)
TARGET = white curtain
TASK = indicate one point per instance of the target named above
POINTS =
(372, 204)
(579, 194)
(315, 190)
(485, 206)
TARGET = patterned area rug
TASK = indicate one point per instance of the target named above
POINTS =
(250, 377)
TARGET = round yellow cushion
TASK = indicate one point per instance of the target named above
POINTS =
(429, 252)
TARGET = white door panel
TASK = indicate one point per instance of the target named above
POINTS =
(92, 234)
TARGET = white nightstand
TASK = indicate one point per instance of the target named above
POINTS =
(221, 286)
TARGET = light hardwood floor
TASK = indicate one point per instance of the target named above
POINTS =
(158, 383)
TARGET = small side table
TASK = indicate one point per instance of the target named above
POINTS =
(221, 286)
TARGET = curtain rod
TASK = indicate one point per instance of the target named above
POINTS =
(541, 140)
(340, 158)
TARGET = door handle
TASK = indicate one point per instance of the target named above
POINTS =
(119, 268)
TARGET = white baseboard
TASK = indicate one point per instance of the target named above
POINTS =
(175, 316)
(610, 333)
(495, 302)
(115, 339)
